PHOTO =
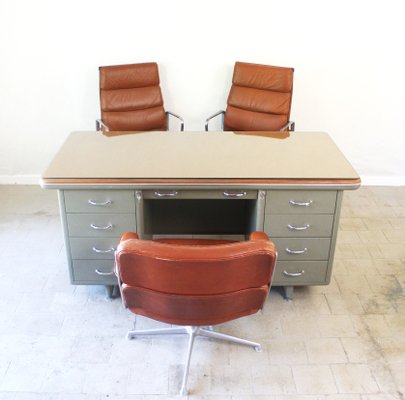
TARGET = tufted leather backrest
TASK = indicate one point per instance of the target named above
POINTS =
(131, 99)
(259, 99)
(196, 282)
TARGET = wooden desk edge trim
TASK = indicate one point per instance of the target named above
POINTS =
(49, 183)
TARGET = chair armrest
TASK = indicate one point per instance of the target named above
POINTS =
(261, 236)
(176, 116)
(213, 116)
(101, 126)
(258, 236)
(125, 236)
(129, 235)
(290, 126)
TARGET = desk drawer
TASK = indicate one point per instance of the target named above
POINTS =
(93, 248)
(300, 202)
(99, 201)
(291, 273)
(298, 225)
(100, 225)
(199, 194)
(94, 272)
(297, 249)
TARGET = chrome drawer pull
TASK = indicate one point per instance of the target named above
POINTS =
(101, 228)
(234, 194)
(296, 252)
(301, 203)
(96, 203)
(173, 193)
(98, 272)
(293, 274)
(298, 228)
(96, 250)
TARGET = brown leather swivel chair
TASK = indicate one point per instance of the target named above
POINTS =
(131, 99)
(259, 99)
(194, 284)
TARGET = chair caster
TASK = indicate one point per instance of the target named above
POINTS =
(258, 349)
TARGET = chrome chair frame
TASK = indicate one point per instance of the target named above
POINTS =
(222, 112)
(101, 126)
(289, 125)
(168, 113)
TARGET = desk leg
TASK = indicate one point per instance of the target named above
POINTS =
(113, 291)
(288, 292)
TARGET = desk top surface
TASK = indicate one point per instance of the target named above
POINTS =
(198, 157)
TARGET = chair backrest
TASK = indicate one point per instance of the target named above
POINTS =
(195, 284)
(131, 99)
(260, 98)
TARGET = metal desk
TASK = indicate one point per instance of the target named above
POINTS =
(204, 184)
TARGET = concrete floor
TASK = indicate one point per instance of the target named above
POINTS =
(344, 341)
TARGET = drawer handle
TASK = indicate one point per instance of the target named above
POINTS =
(298, 228)
(301, 203)
(96, 250)
(101, 228)
(234, 194)
(173, 193)
(102, 204)
(98, 272)
(296, 252)
(293, 274)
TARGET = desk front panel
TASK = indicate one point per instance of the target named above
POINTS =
(302, 223)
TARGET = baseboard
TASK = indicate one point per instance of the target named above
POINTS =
(19, 179)
(366, 180)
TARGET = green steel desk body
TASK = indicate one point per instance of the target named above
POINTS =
(201, 184)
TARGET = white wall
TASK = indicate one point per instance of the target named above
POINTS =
(348, 56)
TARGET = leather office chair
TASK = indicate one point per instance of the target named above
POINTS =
(194, 284)
(131, 99)
(259, 99)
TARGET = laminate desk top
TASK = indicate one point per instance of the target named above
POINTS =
(205, 158)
